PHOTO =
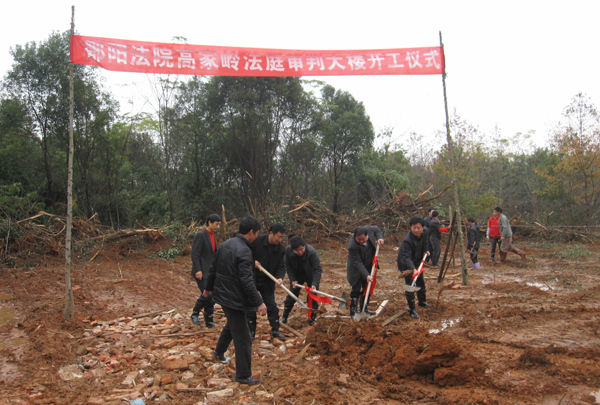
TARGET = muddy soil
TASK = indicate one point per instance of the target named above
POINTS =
(521, 332)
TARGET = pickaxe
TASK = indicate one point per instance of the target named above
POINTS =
(412, 288)
(302, 304)
(342, 300)
(360, 315)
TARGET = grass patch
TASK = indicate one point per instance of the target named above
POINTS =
(574, 252)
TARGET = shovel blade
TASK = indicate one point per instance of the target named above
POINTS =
(410, 288)
(342, 305)
(360, 315)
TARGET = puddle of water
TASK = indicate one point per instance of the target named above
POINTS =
(542, 287)
(6, 314)
(446, 323)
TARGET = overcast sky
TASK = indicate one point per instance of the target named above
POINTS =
(511, 64)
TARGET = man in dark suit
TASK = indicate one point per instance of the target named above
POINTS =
(203, 252)
(231, 283)
(410, 254)
(303, 266)
(361, 252)
(269, 252)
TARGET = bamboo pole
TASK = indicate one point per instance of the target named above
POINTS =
(70, 302)
(465, 275)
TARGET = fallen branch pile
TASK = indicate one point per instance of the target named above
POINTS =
(313, 220)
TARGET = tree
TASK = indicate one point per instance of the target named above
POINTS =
(347, 131)
(577, 142)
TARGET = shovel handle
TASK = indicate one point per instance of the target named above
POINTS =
(373, 268)
(419, 271)
(261, 268)
(320, 293)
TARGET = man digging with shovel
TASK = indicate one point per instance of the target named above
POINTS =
(410, 255)
(303, 266)
(361, 252)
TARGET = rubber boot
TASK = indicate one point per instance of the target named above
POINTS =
(274, 322)
(313, 319)
(286, 313)
(208, 318)
(353, 303)
(252, 327)
(196, 314)
(503, 256)
(411, 308)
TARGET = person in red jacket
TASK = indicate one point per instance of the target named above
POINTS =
(493, 233)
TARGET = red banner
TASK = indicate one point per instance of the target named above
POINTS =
(153, 57)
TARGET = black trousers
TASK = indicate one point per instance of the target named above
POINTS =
(204, 303)
(421, 294)
(267, 292)
(436, 250)
(474, 255)
(289, 301)
(236, 329)
(359, 288)
(495, 242)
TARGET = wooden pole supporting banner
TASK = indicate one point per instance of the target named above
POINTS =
(453, 171)
(70, 301)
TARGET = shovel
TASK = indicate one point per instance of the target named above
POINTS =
(360, 315)
(342, 300)
(412, 288)
(302, 304)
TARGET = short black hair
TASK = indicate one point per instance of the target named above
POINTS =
(429, 210)
(213, 218)
(417, 220)
(296, 242)
(360, 230)
(498, 209)
(277, 228)
(435, 213)
(248, 224)
(471, 219)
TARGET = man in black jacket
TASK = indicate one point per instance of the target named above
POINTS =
(473, 242)
(231, 282)
(410, 254)
(427, 221)
(303, 266)
(269, 252)
(361, 252)
(435, 232)
(203, 253)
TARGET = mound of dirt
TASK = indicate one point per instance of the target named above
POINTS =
(392, 356)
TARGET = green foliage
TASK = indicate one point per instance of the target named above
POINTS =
(16, 203)
(574, 252)
(170, 253)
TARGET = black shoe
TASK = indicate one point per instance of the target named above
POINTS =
(277, 334)
(249, 380)
(424, 304)
(413, 314)
(312, 322)
(211, 325)
(218, 357)
(196, 320)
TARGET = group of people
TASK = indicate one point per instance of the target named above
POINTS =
(233, 275)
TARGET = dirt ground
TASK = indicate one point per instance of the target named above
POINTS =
(519, 333)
